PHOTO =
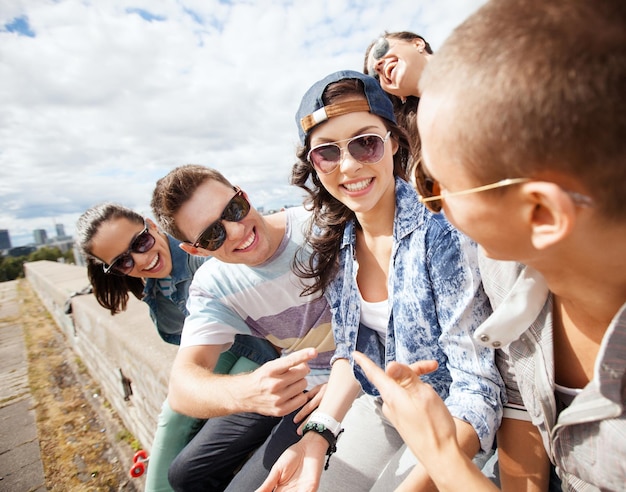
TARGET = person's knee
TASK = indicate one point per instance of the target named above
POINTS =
(181, 475)
(176, 476)
(186, 476)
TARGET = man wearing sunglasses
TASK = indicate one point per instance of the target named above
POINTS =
(247, 287)
(523, 124)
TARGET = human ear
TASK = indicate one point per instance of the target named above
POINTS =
(420, 45)
(151, 223)
(192, 250)
(552, 214)
(394, 145)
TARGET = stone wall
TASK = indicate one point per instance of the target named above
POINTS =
(123, 353)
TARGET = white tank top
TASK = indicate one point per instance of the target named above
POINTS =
(375, 315)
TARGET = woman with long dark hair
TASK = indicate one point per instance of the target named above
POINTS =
(402, 284)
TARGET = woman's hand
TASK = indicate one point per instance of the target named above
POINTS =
(299, 468)
(315, 397)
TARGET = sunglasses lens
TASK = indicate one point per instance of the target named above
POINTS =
(325, 157)
(380, 49)
(124, 264)
(367, 149)
(213, 237)
(236, 209)
(428, 187)
(143, 242)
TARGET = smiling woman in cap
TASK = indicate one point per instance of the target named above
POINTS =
(402, 284)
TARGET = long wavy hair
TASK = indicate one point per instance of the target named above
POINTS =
(329, 214)
(111, 291)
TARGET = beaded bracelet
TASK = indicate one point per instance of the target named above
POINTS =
(327, 434)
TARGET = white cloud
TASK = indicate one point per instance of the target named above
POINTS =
(109, 96)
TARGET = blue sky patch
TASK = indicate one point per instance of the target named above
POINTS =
(145, 15)
(20, 26)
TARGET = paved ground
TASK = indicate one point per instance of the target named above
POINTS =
(21, 469)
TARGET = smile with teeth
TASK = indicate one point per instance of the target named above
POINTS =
(153, 263)
(248, 241)
(358, 186)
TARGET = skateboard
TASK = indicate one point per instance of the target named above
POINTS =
(140, 461)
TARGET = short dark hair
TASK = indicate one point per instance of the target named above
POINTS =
(534, 86)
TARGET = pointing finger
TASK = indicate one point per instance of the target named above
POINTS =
(300, 356)
(374, 373)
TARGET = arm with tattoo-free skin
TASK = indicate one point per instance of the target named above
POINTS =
(276, 388)
(433, 437)
(299, 468)
(522, 459)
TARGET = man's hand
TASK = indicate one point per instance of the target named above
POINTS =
(277, 387)
(406, 396)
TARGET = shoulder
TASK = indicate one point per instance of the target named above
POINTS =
(195, 262)
(211, 271)
(299, 217)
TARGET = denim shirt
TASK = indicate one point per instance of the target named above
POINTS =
(168, 314)
(436, 301)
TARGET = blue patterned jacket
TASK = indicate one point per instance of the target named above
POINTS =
(436, 302)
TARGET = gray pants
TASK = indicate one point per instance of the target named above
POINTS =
(369, 441)
(372, 456)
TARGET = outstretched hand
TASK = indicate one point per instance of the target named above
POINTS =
(405, 396)
(298, 469)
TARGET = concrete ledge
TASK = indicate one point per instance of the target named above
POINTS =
(123, 353)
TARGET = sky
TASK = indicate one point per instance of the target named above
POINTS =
(101, 99)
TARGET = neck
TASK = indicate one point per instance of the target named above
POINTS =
(588, 279)
(380, 219)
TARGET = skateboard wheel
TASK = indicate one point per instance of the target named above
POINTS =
(137, 469)
(140, 455)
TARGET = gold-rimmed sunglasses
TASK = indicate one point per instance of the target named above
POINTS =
(431, 195)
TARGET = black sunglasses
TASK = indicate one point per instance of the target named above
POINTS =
(379, 49)
(214, 235)
(124, 263)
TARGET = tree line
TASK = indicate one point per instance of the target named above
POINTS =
(12, 268)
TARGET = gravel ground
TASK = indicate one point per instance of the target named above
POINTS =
(84, 446)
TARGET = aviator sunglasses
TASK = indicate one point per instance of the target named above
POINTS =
(368, 148)
(124, 263)
(213, 237)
